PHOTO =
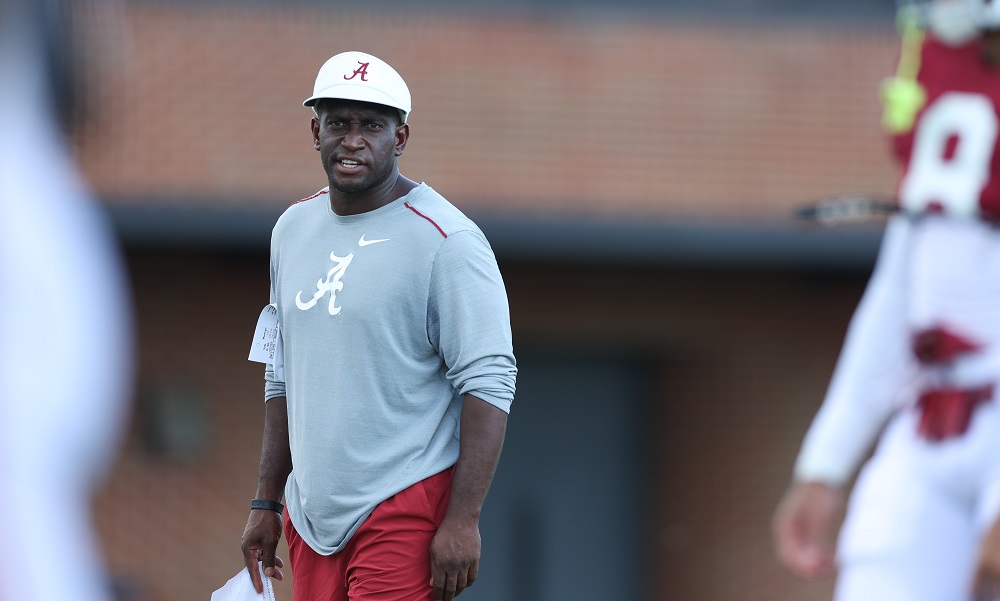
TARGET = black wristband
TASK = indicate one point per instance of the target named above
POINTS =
(266, 504)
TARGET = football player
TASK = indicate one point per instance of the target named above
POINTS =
(919, 372)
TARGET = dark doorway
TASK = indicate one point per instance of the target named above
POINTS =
(565, 518)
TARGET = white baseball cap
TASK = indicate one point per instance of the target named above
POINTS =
(360, 76)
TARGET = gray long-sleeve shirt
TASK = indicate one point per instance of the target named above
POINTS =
(387, 319)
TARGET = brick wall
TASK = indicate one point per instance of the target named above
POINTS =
(744, 358)
(512, 115)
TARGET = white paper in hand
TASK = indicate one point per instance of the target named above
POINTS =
(240, 588)
(266, 346)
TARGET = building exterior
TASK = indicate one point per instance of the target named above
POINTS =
(636, 173)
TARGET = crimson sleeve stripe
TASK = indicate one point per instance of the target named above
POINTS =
(427, 218)
(320, 193)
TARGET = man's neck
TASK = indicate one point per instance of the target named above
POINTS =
(394, 187)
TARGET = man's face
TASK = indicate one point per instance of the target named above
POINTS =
(358, 143)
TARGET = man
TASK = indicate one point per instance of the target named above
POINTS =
(920, 366)
(66, 340)
(398, 366)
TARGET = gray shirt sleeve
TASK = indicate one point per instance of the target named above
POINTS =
(469, 319)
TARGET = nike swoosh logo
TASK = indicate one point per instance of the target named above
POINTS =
(363, 242)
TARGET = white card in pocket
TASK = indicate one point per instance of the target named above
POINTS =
(266, 346)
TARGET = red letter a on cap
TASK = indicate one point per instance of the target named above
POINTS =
(362, 70)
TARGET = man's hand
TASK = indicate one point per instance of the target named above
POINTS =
(987, 580)
(804, 527)
(454, 558)
(260, 540)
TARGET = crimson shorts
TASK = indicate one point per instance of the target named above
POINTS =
(387, 559)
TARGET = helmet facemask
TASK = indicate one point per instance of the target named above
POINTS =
(954, 22)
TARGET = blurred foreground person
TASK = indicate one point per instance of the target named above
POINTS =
(65, 344)
(920, 366)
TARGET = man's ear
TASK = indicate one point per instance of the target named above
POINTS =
(314, 127)
(402, 136)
